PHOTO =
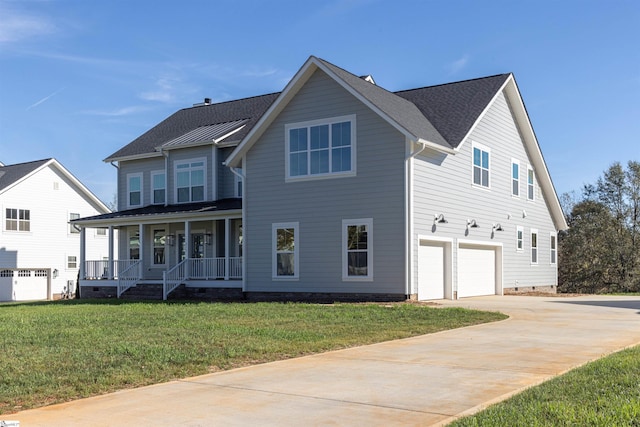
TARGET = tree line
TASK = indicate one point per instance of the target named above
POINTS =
(600, 252)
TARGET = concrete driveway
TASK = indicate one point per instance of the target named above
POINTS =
(425, 380)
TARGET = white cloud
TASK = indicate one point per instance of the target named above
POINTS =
(16, 25)
(459, 64)
(45, 99)
(125, 111)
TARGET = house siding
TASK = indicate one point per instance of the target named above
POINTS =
(443, 184)
(319, 206)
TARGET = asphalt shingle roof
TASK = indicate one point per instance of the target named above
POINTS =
(9, 174)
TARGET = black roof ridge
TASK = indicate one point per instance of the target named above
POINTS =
(231, 100)
(26, 163)
(453, 83)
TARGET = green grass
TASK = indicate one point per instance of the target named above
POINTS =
(58, 351)
(602, 393)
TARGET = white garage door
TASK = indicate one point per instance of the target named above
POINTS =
(476, 271)
(23, 285)
(431, 270)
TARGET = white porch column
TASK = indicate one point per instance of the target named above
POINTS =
(110, 265)
(187, 248)
(141, 251)
(83, 250)
(227, 247)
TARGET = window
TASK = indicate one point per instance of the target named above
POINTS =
(159, 238)
(320, 148)
(101, 231)
(285, 250)
(480, 165)
(24, 273)
(534, 246)
(40, 273)
(73, 229)
(134, 244)
(519, 238)
(530, 184)
(357, 249)
(158, 184)
(17, 220)
(134, 189)
(190, 182)
(72, 262)
(6, 273)
(515, 178)
(553, 247)
(238, 182)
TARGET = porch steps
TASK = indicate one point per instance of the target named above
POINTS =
(151, 291)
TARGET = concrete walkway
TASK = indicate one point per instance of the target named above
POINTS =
(425, 380)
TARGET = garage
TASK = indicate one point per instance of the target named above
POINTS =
(434, 270)
(479, 270)
(24, 284)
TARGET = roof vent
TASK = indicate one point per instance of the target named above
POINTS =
(368, 78)
(207, 101)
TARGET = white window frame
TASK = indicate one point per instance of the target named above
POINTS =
(531, 186)
(130, 176)
(76, 261)
(516, 181)
(238, 186)
(308, 124)
(101, 232)
(346, 223)
(474, 146)
(73, 229)
(535, 249)
(553, 251)
(519, 239)
(296, 250)
(20, 223)
(153, 246)
(178, 163)
(153, 188)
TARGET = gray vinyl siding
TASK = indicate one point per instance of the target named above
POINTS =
(145, 166)
(443, 184)
(226, 179)
(319, 206)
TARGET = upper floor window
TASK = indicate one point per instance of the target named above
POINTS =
(134, 189)
(190, 182)
(357, 249)
(530, 184)
(158, 184)
(515, 178)
(480, 165)
(73, 229)
(238, 185)
(321, 148)
(17, 220)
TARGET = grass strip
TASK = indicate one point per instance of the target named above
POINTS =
(605, 392)
(59, 351)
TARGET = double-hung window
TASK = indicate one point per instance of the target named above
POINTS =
(73, 229)
(190, 181)
(357, 249)
(134, 189)
(17, 219)
(481, 165)
(285, 250)
(530, 184)
(553, 249)
(515, 178)
(321, 148)
(519, 238)
(158, 187)
(534, 246)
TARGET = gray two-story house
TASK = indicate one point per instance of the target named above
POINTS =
(336, 188)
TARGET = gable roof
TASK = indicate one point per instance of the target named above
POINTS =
(12, 175)
(189, 119)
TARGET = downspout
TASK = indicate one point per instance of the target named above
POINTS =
(409, 214)
(241, 175)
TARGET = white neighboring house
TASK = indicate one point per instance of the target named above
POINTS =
(39, 249)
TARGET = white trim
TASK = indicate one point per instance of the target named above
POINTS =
(499, 269)
(368, 222)
(448, 243)
(128, 194)
(165, 228)
(532, 185)
(153, 189)
(296, 250)
(514, 162)
(553, 237)
(351, 118)
(537, 247)
(520, 229)
(177, 163)
(486, 149)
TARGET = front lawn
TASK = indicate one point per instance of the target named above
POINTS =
(602, 393)
(58, 351)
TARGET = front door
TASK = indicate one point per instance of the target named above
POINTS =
(197, 246)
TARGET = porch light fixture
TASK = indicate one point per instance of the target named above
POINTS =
(524, 213)
(471, 223)
(171, 239)
(55, 273)
(208, 238)
(497, 227)
(439, 219)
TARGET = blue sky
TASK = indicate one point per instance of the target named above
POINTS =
(79, 79)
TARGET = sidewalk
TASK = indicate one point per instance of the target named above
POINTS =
(425, 380)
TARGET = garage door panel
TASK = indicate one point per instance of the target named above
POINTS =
(476, 271)
(431, 271)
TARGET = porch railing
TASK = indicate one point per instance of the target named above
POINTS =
(128, 277)
(172, 278)
(99, 269)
